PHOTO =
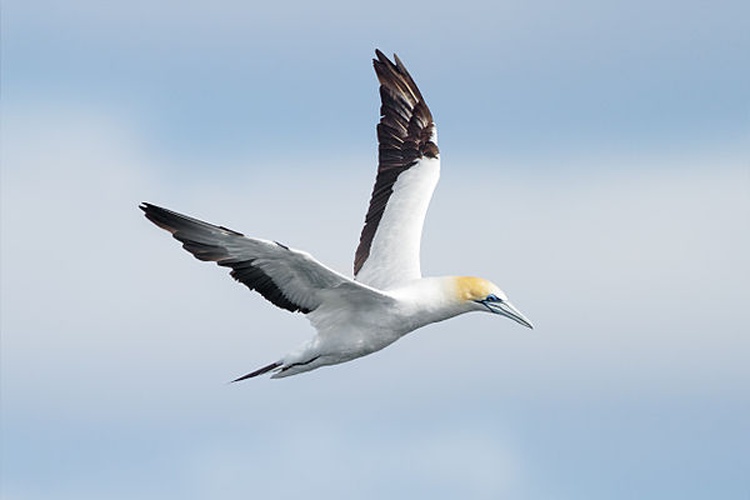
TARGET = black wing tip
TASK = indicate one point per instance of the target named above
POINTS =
(383, 65)
(172, 221)
(382, 58)
(150, 208)
(160, 216)
(401, 103)
(394, 75)
(152, 211)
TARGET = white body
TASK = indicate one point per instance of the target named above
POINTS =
(351, 325)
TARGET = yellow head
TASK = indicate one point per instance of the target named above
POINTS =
(487, 297)
(471, 288)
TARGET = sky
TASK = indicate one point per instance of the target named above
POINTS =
(595, 164)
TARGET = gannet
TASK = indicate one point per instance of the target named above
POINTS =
(387, 296)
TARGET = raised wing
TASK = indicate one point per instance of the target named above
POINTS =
(408, 171)
(287, 278)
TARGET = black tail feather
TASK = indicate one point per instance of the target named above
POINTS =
(259, 371)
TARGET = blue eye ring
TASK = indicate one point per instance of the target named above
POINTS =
(493, 298)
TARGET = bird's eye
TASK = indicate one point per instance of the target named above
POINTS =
(493, 298)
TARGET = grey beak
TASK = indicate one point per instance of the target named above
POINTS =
(509, 311)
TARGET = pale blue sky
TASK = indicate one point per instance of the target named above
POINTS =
(595, 164)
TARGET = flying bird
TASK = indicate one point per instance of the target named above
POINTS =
(387, 297)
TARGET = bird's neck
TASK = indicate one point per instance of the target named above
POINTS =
(432, 299)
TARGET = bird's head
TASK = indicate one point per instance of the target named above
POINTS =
(483, 295)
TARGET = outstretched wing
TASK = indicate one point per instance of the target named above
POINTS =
(408, 171)
(287, 278)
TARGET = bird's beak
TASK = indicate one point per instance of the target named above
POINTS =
(508, 310)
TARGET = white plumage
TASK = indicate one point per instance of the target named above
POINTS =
(394, 252)
(388, 297)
